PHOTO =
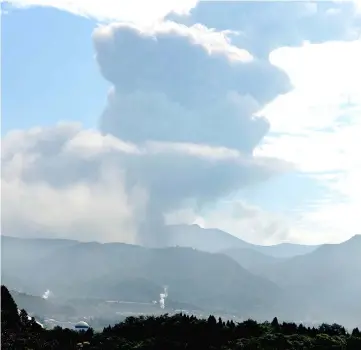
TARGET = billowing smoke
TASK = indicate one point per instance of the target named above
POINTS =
(178, 131)
(173, 103)
(162, 297)
(47, 294)
(183, 113)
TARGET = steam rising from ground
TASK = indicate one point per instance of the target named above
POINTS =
(162, 297)
(47, 294)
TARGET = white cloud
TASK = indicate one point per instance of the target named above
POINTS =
(325, 77)
(214, 42)
(139, 11)
(65, 181)
(318, 127)
(268, 25)
(248, 222)
(357, 3)
(101, 211)
(83, 208)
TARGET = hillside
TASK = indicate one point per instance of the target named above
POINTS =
(36, 305)
(116, 271)
(210, 240)
(323, 267)
(325, 282)
(252, 260)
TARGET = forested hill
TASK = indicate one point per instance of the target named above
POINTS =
(171, 332)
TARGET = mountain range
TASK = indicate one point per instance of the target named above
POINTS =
(215, 240)
(119, 271)
(211, 271)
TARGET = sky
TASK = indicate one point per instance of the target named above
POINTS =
(118, 118)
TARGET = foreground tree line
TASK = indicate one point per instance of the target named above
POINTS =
(171, 332)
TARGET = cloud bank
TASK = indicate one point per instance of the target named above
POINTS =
(139, 11)
(66, 181)
(322, 136)
(264, 26)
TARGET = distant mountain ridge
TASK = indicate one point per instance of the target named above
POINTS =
(323, 284)
(194, 236)
(119, 271)
(253, 260)
(215, 240)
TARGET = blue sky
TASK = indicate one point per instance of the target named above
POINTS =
(48, 61)
(248, 123)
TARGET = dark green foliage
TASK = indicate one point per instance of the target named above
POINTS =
(172, 332)
(9, 311)
(18, 331)
(356, 332)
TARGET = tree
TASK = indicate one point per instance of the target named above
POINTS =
(24, 318)
(356, 332)
(212, 320)
(10, 318)
(275, 323)
(182, 332)
(334, 329)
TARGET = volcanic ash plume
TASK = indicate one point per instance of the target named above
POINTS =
(162, 297)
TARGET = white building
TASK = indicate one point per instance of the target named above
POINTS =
(81, 326)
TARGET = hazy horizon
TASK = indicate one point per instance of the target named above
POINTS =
(181, 225)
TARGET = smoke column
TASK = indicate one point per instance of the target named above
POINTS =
(162, 297)
(46, 294)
